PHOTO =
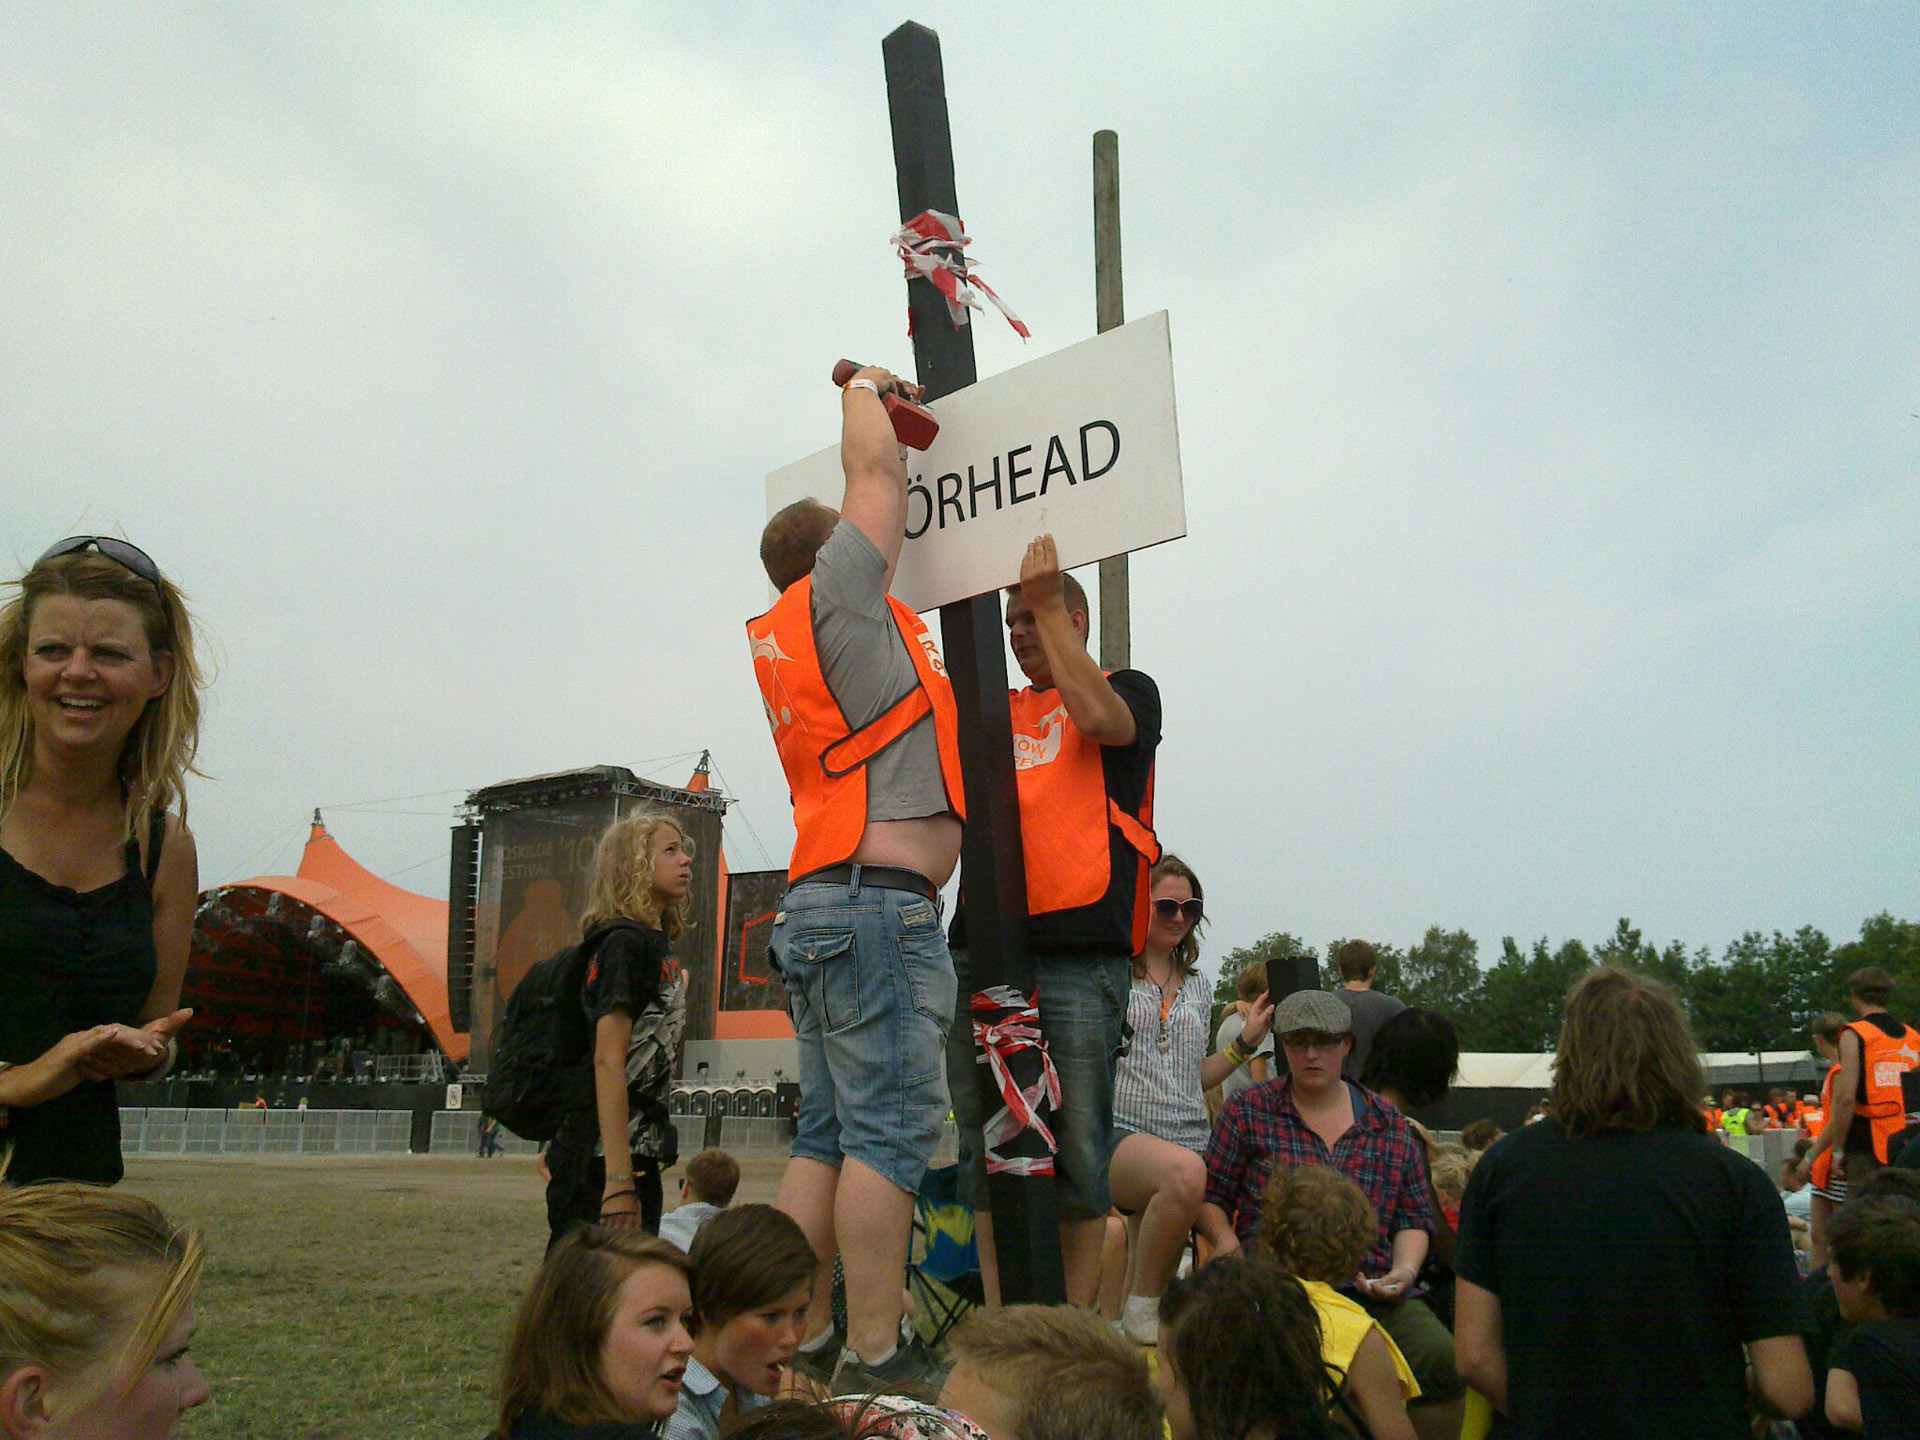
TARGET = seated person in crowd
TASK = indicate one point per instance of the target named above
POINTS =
(1310, 1115)
(1247, 991)
(1796, 1195)
(1873, 1380)
(1317, 1226)
(870, 1417)
(1240, 1357)
(96, 1312)
(1480, 1135)
(1049, 1372)
(601, 1340)
(711, 1179)
(753, 1272)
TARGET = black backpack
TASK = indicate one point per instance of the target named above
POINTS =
(541, 1069)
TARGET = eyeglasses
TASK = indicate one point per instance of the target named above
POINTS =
(118, 551)
(1310, 1040)
(1187, 910)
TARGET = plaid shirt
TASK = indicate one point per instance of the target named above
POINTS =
(1379, 1152)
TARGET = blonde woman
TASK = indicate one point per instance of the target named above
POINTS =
(99, 720)
(1158, 1175)
(96, 1314)
(606, 1162)
(601, 1342)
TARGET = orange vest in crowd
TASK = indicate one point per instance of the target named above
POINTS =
(1822, 1172)
(1712, 1112)
(826, 758)
(1063, 787)
(1884, 1059)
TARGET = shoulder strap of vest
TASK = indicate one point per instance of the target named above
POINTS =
(843, 757)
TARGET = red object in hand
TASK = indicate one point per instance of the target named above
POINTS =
(914, 426)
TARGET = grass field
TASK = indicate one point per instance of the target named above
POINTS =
(358, 1298)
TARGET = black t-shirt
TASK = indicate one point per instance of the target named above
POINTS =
(633, 968)
(1106, 926)
(1883, 1356)
(1630, 1269)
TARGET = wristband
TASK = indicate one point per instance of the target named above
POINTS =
(862, 383)
(1234, 1053)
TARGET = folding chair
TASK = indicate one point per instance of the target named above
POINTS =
(943, 1263)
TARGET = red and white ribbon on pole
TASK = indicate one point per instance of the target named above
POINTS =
(933, 246)
(999, 1040)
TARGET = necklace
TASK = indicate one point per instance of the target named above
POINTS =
(1163, 1041)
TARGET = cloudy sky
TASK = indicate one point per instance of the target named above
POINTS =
(1547, 381)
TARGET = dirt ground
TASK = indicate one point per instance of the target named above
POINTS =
(359, 1298)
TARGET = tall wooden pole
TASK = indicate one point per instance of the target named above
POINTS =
(1110, 310)
(1025, 1218)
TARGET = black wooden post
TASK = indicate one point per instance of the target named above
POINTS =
(1025, 1220)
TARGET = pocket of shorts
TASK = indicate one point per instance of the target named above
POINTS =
(821, 962)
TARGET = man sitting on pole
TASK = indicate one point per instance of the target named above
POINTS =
(1083, 744)
(864, 719)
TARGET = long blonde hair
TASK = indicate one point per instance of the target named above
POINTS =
(622, 887)
(159, 751)
(1186, 955)
(82, 1267)
(552, 1363)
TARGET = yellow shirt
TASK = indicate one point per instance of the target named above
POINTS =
(1343, 1325)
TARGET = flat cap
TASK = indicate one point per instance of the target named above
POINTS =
(1312, 1010)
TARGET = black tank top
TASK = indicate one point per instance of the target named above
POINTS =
(70, 960)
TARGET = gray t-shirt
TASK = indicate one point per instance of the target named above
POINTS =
(1370, 1010)
(1231, 1024)
(867, 667)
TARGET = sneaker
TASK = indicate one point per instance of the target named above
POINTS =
(1140, 1321)
(912, 1370)
(819, 1365)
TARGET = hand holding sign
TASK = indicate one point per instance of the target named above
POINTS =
(1040, 583)
(913, 425)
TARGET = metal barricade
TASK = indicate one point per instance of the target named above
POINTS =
(749, 1137)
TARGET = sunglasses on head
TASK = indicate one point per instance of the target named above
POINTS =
(132, 557)
(1187, 910)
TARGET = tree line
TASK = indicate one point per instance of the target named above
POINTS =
(1760, 993)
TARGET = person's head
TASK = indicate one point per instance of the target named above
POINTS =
(1895, 1182)
(1179, 910)
(96, 1313)
(752, 1282)
(792, 540)
(1049, 1372)
(1790, 1179)
(1874, 1249)
(1871, 989)
(1240, 1355)
(712, 1177)
(1626, 1059)
(1414, 1058)
(1827, 1026)
(1315, 1033)
(1023, 633)
(96, 659)
(1480, 1134)
(1452, 1167)
(1252, 983)
(1357, 962)
(873, 1417)
(602, 1335)
(642, 870)
(1779, 1095)
(1316, 1224)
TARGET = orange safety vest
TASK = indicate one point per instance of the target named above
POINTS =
(1821, 1173)
(1884, 1059)
(1062, 782)
(824, 756)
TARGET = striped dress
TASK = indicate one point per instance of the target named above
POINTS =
(1157, 1091)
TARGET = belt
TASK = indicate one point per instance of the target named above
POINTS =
(883, 877)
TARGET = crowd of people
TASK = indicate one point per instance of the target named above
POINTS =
(1279, 1247)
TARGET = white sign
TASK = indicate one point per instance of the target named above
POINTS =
(454, 1095)
(1081, 444)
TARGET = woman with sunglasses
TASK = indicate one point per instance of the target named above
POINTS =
(99, 720)
(1159, 1102)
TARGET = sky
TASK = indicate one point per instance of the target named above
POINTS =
(1548, 384)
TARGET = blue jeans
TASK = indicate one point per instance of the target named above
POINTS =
(1083, 1013)
(870, 988)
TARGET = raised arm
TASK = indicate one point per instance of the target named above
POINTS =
(1092, 704)
(876, 469)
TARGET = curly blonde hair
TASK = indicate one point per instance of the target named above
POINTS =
(622, 887)
(1316, 1223)
(158, 754)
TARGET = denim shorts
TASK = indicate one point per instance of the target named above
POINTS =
(1083, 1012)
(870, 988)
